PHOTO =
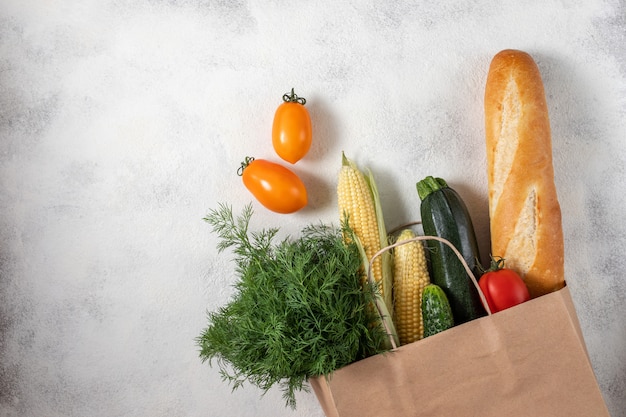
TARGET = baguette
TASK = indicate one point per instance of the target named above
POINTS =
(525, 216)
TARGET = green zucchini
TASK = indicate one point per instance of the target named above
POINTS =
(445, 215)
(436, 311)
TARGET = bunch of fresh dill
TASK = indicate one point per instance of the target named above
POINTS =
(299, 308)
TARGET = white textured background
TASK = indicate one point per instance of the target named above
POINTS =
(123, 122)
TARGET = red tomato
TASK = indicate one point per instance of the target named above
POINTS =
(291, 131)
(274, 186)
(502, 287)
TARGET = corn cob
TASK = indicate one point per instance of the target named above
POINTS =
(410, 276)
(359, 204)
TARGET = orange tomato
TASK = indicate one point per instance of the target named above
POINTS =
(277, 188)
(291, 131)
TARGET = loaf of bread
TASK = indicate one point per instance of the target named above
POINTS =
(525, 216)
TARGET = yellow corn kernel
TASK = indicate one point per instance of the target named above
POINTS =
(410, 276)
(355, 201)
(358, 200)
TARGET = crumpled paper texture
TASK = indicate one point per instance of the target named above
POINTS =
(527, 360)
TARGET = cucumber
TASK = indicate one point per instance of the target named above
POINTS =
(436, 311)
(445, 215)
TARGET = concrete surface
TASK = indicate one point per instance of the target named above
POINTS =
(123, 122)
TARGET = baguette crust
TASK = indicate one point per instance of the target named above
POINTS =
(525, 216)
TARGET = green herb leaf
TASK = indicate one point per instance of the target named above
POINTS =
(299, 309)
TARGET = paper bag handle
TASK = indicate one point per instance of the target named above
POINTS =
(379, 300)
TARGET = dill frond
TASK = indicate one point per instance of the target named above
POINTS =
(299, 309)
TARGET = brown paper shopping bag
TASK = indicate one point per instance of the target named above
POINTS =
(528, 360)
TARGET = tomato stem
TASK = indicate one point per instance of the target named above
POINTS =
(293, 98)
(497, 263)
(244, 164)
